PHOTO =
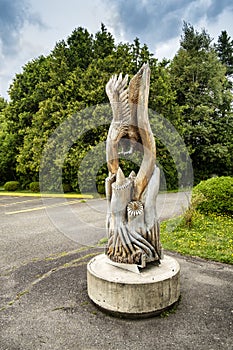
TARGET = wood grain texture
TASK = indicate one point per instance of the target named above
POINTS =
(132, 224)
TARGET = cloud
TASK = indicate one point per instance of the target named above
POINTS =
(217, 7)
(13, 15)
(155, 21)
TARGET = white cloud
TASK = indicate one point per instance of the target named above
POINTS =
(59, 19)
(49, 21)
(167, 49)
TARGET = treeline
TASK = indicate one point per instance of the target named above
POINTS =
(193, 92)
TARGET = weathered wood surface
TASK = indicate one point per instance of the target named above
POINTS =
(132, 224)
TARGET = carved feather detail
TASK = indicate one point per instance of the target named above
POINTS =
(118, 94)
(133, 229)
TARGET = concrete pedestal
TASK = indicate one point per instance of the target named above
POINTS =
(131, 294)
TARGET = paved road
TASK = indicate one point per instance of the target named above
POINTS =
(35, 227)
(43, 293)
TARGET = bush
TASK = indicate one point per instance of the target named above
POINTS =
(190, 212)
(66, 188)
(11, 186)
(34, 186)
(101, 188)
(217, 195)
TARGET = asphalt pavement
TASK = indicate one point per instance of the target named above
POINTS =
(45, 245)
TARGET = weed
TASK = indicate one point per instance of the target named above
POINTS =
(170, 310)
(20, 294)
(102, 241)
(190, 212)
(209, 237)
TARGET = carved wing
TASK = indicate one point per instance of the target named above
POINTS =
(130, 115)
(118, 93)
(148, 163)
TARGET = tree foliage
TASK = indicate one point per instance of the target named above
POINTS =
(205, 99)
(191, 92)
(216, 195)
(224, 49)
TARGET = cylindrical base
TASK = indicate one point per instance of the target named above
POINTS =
(130, 294)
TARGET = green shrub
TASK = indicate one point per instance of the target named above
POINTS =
(34, 186)
(190, 212)
(217, 195)
(11, 186)
(101, 188)
(66, 188)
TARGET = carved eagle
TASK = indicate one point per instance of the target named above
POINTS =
(124, 101)
(130, 119)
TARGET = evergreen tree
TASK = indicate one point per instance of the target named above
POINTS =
(203, 94)
(80, 48)
(193, 41)
(224, 49)
(103, 44)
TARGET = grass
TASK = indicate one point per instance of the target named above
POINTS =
(171, 310)
(209, 237)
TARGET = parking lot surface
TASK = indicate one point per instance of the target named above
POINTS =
(45, 244)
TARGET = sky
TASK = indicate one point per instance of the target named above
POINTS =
(30, 28)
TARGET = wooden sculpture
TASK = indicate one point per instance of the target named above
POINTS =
(132, 223)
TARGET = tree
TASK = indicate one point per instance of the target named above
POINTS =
(198, 78)
(80, 48)
(224, 49)
(193, 41)
(7, 142)
(69, 80)
(103, 44)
